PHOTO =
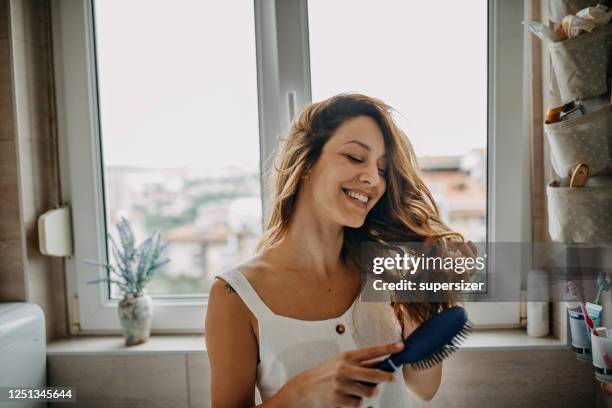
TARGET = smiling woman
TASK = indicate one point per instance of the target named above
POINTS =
(345, 175)
(357, 146)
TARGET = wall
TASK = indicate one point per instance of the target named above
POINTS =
(546, 94)
(12, 284)
(28, 160)
(471, 379)
(28, 187)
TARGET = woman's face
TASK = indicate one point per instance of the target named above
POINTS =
(349, 177)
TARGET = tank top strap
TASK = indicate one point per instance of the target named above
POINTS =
(247, 293)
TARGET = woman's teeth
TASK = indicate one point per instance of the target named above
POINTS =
(358, 197)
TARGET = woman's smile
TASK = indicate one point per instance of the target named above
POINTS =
(357, 197)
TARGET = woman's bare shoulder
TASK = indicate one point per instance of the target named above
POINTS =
(257, 269)
(223, 300)
(222, 294)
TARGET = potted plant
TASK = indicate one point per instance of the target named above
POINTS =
(132, 268)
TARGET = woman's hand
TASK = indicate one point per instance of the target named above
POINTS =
(454, 249)
(339, 382)
(465, 249)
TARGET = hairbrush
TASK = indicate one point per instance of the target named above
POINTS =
(433, 341)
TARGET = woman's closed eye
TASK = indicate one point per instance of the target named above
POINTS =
(355, 159)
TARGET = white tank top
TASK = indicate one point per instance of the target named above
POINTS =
(290, 346)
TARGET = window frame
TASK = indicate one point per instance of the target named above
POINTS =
(283, 81)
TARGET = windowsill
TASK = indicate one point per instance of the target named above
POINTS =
(479, 340)
(115, 345)
(509, 339)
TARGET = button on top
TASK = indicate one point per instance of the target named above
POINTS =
(340, 328)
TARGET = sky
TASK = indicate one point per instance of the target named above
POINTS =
(178, 82)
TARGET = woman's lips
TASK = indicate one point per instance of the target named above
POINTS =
(355, 201)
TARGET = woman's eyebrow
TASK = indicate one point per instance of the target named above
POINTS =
(365, 146)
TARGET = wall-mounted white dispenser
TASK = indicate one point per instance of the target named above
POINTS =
(55, 232)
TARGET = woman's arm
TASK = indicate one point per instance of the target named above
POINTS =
(232, 351)
(231, 347)
(423, 383)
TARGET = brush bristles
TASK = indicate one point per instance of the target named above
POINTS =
(446, 351)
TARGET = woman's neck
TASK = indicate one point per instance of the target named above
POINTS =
(311, 244)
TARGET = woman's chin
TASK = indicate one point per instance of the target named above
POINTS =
(353, 223)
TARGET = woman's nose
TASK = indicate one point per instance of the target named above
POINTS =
(370, 175)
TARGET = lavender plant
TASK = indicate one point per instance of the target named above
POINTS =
(133, 267)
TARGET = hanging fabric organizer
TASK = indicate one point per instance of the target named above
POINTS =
(581, 64)
(578, 128)
(585, 139)
(581, 214)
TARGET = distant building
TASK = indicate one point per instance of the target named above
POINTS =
(458, 184)
(213, 218)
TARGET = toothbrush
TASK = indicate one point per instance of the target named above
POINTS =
(602, 285)
(574, 291)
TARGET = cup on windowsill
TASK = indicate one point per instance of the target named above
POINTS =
(602, 354)
(581, 339)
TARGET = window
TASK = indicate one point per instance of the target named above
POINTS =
(175, 159)
(171, 124)
(385, 49)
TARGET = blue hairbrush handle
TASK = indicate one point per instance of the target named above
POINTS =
(387, 365)
(431, 342)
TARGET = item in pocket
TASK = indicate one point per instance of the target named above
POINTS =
(598, 14)
(580, 175)
(567, 111)
(572, 113)
(572, 26)
(543, 32)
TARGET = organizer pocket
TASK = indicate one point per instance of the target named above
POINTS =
(585, 139)
(581, 64)
(581, 214)
(561, 8)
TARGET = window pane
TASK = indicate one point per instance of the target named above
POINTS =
(177, 88)
(428, 61)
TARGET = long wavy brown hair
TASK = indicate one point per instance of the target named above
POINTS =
(405, 213)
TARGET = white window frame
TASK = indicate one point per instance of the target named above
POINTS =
(508, 169)
(283, 87)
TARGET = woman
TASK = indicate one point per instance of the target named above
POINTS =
(289, 320)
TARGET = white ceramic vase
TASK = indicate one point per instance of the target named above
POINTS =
(135, 315)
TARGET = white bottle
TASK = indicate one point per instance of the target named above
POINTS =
(538, 296)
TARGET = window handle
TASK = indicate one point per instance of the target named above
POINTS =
(291, 95)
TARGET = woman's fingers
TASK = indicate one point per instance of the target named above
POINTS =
(473, 248)
(373, 362)
(367, 375)
(370, 353)
(467, 249)
(347, 400)
(358, 389)
(428, 245)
